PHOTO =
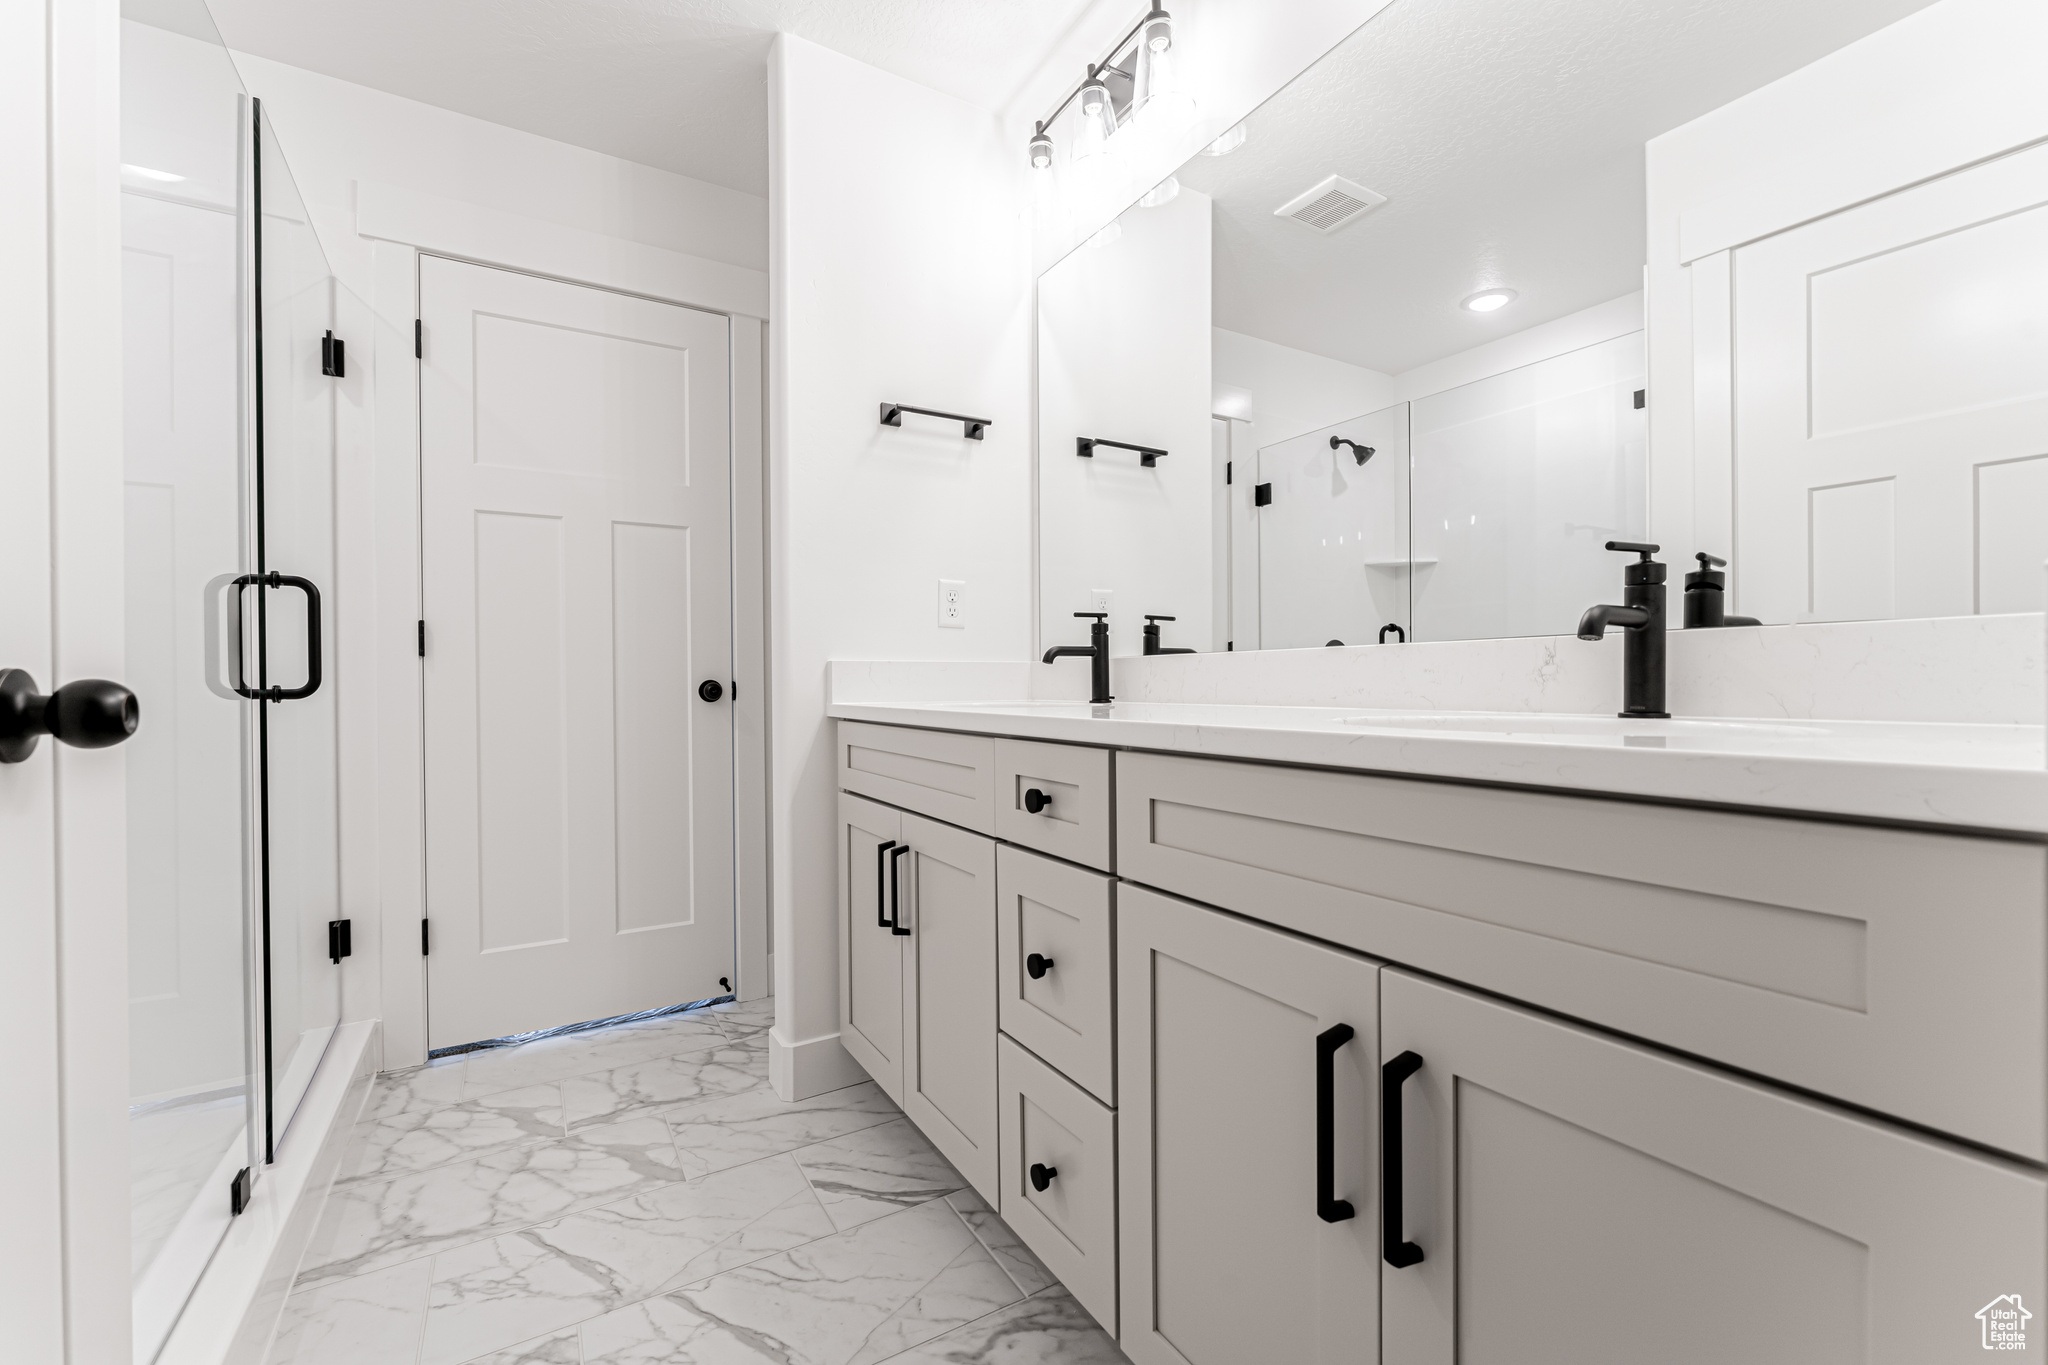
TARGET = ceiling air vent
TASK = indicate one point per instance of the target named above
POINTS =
(1331, 204)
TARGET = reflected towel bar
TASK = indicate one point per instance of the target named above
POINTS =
(972, 427)
(1084, 446)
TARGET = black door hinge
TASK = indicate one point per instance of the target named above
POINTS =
(1262, 494)
(340, 943)
(419, 341)
(423, 639)
(1226, 471)
(238, 1192)
(330, 356)
(425, 943)
(1642, 397)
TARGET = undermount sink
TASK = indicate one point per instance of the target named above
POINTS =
(1511, 723)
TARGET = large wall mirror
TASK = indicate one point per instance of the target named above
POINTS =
(1374, 366)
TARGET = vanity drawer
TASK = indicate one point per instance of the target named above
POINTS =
(1902, 971)
(1066, 1013)
(933, 772)
(1074, 822)
(1049, 1122)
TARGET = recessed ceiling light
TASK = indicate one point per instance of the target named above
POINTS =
(1486, 300)
(145, 173)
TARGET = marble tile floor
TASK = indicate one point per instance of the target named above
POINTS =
(637, 1195)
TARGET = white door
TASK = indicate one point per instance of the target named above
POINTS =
(1581, 1201)
(1891, 404)
(575, 464)
(949, 1005)
(1233, 1246)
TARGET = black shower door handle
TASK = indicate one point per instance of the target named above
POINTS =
(274, 579)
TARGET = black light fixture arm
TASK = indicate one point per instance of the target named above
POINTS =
(972, 427)
(1148, 456)
(1358, 452)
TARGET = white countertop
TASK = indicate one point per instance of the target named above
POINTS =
(1975, 776)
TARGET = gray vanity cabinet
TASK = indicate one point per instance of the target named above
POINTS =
(1582, 1200)
(949, 1001)
(870, 953)
(1225, 1250)
(917, 950)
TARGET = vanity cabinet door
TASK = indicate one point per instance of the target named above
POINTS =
(1230, 1247)
(870, 955)
(1579, 1200)
(949, 1011)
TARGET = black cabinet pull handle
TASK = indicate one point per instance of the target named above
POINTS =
(1329, 1208)
(882, 884)
(1399, 1254)
(710, 689)
(1042, 1175)
(1037, 965)
(274, 579)
(896, 892)
(90, 713)
(1036, 800)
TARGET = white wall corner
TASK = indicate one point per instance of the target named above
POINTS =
(811, 1067)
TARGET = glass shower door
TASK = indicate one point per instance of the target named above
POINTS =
(289, 607)
(191, 763)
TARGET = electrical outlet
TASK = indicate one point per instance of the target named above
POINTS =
(1098, 599)
(953, 603)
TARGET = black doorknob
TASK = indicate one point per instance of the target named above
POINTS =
(1036, 800)
(1037, 965)
(90, 713)
(710, 689)
(1042, 1175)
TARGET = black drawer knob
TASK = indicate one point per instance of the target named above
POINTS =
(1042, 1175)
(1036, 800)
(1037, 965)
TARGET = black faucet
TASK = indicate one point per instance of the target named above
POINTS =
(1152, 645)
(1706, 596)
(1097, 652)
(1642, 616)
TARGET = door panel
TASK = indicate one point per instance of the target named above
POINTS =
(575, 456)
(1225, 1257)
(870, 955)
(1891, 404)
(949, 1074)
(1551, 1173)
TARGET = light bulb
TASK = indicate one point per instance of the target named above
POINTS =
(1230, 141)
(1098, 118)
(1161, 193)
(1487, 300)
(1041, 148)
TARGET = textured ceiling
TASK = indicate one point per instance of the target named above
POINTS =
(1508, 138)
(679, 84)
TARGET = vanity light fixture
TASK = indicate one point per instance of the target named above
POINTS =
(1231, 139)
(1487, 300)
(1041, 149)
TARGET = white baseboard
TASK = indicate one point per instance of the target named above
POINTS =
(232, 1314)
(811, 1067)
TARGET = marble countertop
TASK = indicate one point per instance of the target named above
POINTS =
(1989, 777)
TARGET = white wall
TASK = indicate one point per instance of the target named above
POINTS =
(382, 176)
(900, 272)
(1280, 392)
(1123, 354)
